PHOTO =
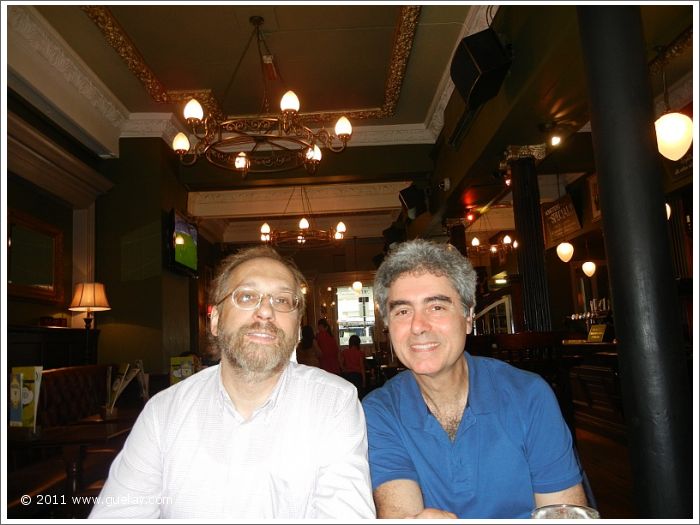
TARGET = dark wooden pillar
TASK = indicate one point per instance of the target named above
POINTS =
(528, 228)
(458, 238)
(653, 370)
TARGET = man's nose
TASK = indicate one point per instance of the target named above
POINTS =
(420, 322)
(265, 310)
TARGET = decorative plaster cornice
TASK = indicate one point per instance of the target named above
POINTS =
(401, 49)
(38, 35)
(122, 44)
(272, 202)
(391, 135)
(164, 125)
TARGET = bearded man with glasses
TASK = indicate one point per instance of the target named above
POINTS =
(257, 436)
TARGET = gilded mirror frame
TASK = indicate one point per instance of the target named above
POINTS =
(52, 292)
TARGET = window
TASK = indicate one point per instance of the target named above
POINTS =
(355, 314)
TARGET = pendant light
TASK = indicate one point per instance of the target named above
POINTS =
(674, 131)
(588, 268)
(565, 251)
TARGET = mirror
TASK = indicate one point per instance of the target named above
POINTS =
(34, 258)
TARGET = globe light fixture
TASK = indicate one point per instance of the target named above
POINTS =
(588, 268)
(565, 251)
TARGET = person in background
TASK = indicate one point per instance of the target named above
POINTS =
(256, 436)
(308, 352)
(330, 353)
(352, 364)
(455, 435)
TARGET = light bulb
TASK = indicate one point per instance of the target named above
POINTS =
(357, 286)
(588, 268)
(193, 110)
(181, 144)
(289, 102)
(265, 228)
(241, 161)
(475, 241)
(316, 154)
(565, 251)
(555, 140)
(668, 211)
(343, 128)
(507, 239)
(303, 224)
(340, 227)
(179, 239)
(674, 134)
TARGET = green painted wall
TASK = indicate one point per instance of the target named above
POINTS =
(150, 316)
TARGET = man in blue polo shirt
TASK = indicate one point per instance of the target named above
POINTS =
(458, 436)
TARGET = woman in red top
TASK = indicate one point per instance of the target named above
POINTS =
(329, 348)
(352, 362)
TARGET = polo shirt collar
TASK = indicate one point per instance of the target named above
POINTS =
(482, 395)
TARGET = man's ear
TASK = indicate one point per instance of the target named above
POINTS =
(470, 320)
(214, 322)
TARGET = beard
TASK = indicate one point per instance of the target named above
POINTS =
(256, 361)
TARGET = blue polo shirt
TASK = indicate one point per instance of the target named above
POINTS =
(511, 443)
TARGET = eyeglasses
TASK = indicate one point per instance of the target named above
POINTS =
(251, 299)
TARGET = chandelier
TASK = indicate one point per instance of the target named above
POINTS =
(307, 235)
(503, 246)
(261, 144)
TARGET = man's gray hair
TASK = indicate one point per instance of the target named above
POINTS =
(420, 256)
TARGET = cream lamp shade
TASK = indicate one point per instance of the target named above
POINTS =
(588, 268)
(89, 297)
(674, 134)
(565, 251)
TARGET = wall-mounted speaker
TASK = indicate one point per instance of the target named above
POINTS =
(479, 66)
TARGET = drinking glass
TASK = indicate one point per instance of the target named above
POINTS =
(562, 511)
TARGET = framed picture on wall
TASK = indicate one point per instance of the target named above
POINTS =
(595, 198)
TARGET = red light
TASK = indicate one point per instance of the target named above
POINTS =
(209, 308)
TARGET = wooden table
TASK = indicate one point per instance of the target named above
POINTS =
(73, 440)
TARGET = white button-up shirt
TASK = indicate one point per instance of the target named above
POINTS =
(302, 454)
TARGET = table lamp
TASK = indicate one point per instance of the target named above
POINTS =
(89, 297)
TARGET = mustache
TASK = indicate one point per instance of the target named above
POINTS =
(262, 327)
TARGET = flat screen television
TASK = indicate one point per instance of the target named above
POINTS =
(182, 244)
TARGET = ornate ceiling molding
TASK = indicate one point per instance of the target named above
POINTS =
(275, 202)
(163, 125)
(403, 42)
(122, 44)
(39, 59)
